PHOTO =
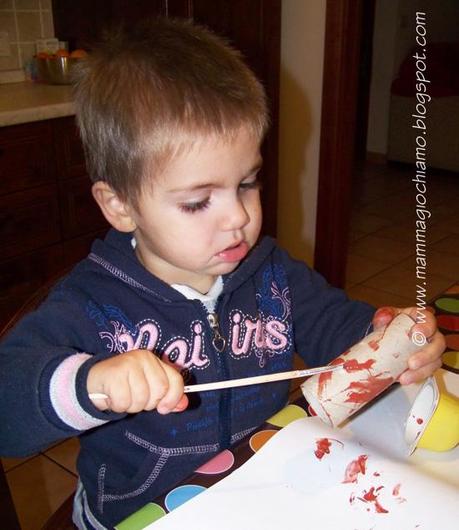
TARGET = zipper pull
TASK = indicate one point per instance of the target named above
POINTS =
(218, 341)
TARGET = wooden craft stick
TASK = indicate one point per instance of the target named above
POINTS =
(259, 379)
(245, 381)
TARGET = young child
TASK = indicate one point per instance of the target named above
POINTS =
(181, 287)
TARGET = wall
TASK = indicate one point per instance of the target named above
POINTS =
(382, 74)
(392, 40)
(302, 51)
(25, 21)
(442, 24)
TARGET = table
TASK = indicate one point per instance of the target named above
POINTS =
(446, 309)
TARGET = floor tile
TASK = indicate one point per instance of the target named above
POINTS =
(9, 463)
(360, 268)
(38, 488)
(403, 282)
(449, 224)
(381, 249)
(406, 232)
(377, 297)
(395, 207)
(65, 454)
(438, 263)
(355, 234)
(368, 223)
(449, 245)
(443, 211)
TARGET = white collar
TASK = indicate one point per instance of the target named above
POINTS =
(209, 299)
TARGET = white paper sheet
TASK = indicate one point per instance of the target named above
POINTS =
(285, 485)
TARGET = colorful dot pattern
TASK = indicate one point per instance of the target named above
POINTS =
(446, 309)
(215, 469)
(143, 517)
(447, 312)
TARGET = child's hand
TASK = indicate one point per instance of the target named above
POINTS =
(137, 380)
(424, 362)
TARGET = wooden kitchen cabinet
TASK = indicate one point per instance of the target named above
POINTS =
(26, 157)
(48, 217)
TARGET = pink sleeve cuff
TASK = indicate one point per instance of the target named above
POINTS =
(63, 395)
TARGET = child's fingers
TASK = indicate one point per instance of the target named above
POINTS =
(174, 393)
(101, 403)
(139, 392)
(158, 382)
(136, 381)
(427, 328)
(182, 404)
(424, 362)
(416, 376)
(430, 353)
(383, 316)
(119, 394)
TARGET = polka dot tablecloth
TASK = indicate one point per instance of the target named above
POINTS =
(446, 309)
(214, 470)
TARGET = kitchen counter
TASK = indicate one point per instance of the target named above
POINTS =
(27, 101)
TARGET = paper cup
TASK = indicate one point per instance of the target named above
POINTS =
(433, 421)
(369, 368)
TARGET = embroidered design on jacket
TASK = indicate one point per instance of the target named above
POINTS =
(265, 337)
(274, 295)
(186, 353)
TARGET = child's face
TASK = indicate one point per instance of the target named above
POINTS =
(202, 215)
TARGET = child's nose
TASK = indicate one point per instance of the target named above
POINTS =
(236, 215)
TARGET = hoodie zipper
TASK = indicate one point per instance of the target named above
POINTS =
(219, 343)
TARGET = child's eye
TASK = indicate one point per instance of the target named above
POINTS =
(192, 207)
(250, 185)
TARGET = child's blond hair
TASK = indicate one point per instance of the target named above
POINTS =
(145, 93)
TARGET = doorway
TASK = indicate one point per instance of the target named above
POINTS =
(366, 210)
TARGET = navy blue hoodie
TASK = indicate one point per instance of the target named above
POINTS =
(271, 306)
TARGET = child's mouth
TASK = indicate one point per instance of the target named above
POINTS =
(234, 253)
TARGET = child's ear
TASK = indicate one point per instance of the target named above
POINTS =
(116, 211)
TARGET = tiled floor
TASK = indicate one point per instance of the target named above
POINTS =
(381, 257)
(380, 270)
(39, 485)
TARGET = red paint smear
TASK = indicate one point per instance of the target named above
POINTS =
(420, 421)
(374, 345)
(353, 365)
(449, 322)
(364, 391)
(323, 447)
(376, 474)
(369, 496)
(354, 468)
(326, 377)
(385, 313)
(396, 493)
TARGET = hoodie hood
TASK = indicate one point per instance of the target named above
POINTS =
(116, 255)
